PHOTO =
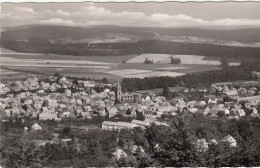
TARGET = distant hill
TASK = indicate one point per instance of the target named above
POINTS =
(54, 32)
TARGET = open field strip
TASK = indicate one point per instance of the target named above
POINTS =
(8, 59)
(2, 72)
(136, 73)
(7, 51)
(155, 57)
(171, 68)
(185, 59)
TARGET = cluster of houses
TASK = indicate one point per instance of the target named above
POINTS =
(59, 98)
(212, 104)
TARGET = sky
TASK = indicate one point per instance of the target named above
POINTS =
(150, 14)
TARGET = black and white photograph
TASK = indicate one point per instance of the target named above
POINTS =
(129, 84)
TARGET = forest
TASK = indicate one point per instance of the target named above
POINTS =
(157, 146)
(195, 80)
(36, 45)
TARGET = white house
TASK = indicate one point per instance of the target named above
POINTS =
(109, 125)
(140, 123)
(36, 127)
(119, 153)
(229, 139)
(202, 145)
(47, 116)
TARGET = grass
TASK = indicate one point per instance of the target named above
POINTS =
(176, 68)
(106, 59)
(94, 66)
(210, 58)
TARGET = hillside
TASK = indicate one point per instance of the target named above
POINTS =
(47, 32)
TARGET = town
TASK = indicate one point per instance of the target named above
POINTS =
(129, 84)
(60, 99)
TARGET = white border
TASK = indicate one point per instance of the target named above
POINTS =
(20, 1)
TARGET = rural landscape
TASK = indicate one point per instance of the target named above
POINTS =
(130, 84)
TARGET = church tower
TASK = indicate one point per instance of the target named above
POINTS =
(119, 91)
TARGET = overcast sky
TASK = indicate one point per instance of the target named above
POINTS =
(170, 14)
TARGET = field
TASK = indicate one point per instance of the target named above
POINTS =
(185, 59)
(98, 67)
(141, 70)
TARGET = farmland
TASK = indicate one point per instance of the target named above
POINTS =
(111, 67)
(185, 59)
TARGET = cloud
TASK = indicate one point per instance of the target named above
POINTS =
(89, 14)
(61, 12)
(26, 10)
(58, 21)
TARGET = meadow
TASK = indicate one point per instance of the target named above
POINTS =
(111, 67)
(185, 59)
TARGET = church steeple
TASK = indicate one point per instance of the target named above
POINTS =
(119, 91)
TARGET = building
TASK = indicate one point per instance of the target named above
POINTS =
(229, 139)
(117, 126)
(47, 116)
(141, 123)
(124, 97)
(89, 84)
(36, 127)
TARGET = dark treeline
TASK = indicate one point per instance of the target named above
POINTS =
(247, 35)
(158, 146)
(147, 46)
(197, 80)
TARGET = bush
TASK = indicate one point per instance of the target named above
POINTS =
(175, 60)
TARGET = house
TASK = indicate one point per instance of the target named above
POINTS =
(201, 103)
(85, 115)
(65, 114)
(109, 125)
(62, 106)
(89, 84)
(36, 127)
(47, 116)
(68, 92)
(202, 145)
(229, 139)
(151, 121)
(87, 108)
(212, 100)
(213, 141)
(119, 153)
(193, 110)
(137, 149)
(226, 111)
(206, 111)
(241, 112)
(254, 115)
(112, 111)
(231, 94)
(159, 99)
(229, 104)
(213, 112)
(38, 105)
(140, 123)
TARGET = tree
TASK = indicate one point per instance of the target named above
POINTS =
(104, 80)
(148, 61)
(175, 60)
(255, 77)
(75, 81)
(57, 74)
(66, 131)
(166, 91)
(140, 116)
(224, 62)
(21, 152)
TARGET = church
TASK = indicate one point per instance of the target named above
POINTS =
(126, 97)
